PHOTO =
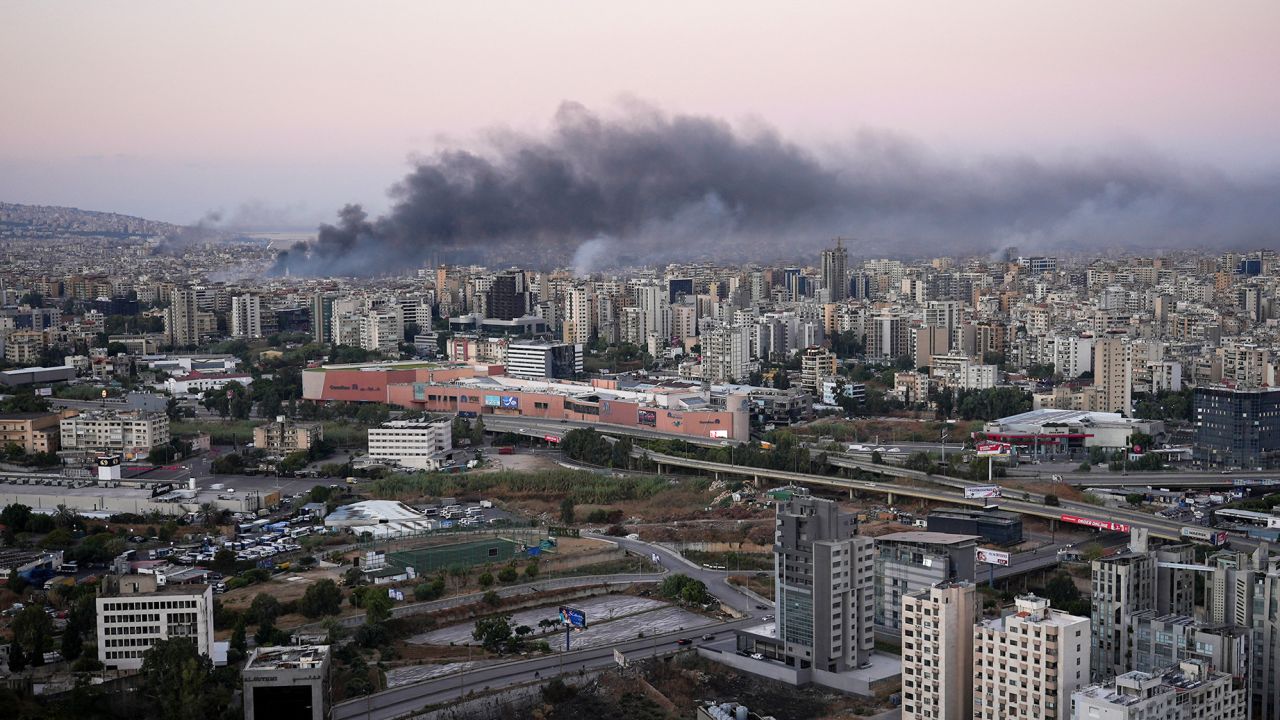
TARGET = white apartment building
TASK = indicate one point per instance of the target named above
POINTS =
(246, 316)
(412, 443)
(1191, 691)
(1026, 665)
(129, 431)
(937, 652)
(726, 355)
(541, 359)
(134, 614)
(978, 377)
(382, 330)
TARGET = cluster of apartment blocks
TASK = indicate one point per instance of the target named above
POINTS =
(1141, 654)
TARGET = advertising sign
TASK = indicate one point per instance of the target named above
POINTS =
(573, 617)
(992, 557)
(719, 433)
(551, 438)
(992, 449)
(492, 401)
(647, 417)
(619, 658)
(510, 401)
(1099, 524)
(982, 491)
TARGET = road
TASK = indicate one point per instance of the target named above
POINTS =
(405, 699)
(1159, 527)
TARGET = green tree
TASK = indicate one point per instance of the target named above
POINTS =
(493, 632)
(566, 511)
(507, 574)
(16, 517)
(1135, 498)
(531, 570)
(377, 606)
(176, 680)
(427, 591)
(485, 580)
(265, 608)
(33, 629)
(322, 598)
(17, 657)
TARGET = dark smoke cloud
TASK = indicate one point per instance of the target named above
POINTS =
(648, 187)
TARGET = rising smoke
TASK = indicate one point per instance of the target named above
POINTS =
(649, 187)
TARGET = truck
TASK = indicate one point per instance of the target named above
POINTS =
(1216, 538)
(506, 450)
(486, 504)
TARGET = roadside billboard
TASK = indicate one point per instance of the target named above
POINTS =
(1098, 524)
(719, 433)
(647, 417)
(982, 491)
(992, 557)
(992, 449)
(573, 617)
(551, 438)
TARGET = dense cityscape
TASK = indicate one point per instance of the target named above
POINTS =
(640, 361)
(1025, 486)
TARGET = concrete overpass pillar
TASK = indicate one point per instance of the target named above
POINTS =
(890, 499)
(850, 493)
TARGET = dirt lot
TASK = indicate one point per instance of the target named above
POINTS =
(675, 687)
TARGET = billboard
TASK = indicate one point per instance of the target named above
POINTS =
(992, 557)
(492, 401)
(647, 417)
(510, 401)
(1098, 524)
(982, 491)
(719, 433)
(992, 449)
(573, 617)
(551, 438)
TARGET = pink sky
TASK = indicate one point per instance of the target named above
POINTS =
(169, 109)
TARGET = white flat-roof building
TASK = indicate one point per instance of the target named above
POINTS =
(1026, 665)
(1191, 691)
(134, 614)
(132, 432)
(423, 444)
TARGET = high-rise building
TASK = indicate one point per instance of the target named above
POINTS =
(1112, 377)
(507, 298)
(907, 562)
(180, 318)
(246, 316)
(1190, 691)
(1265, 681)
(823, 590)
(1026, 665)
(834, 271)
(1127, 584)
(577, 316)
(540, 359)
(726, 355)
(937, 652)
(655, 310)
(382, 330)
(1237, 428)
(321, 318)
(816, 365)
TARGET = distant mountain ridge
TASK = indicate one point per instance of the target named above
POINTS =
(50, 220)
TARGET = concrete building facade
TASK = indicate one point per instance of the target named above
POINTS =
(937, 652)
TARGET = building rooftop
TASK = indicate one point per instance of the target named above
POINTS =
(287, 657)
(372, 512)
(924, 537)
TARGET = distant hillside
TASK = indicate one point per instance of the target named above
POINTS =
(19, 221)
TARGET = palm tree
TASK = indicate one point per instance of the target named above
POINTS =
(208, 514)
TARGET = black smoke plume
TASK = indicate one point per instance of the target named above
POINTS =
(648, 187)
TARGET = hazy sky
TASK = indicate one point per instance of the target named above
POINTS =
(289, 109)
